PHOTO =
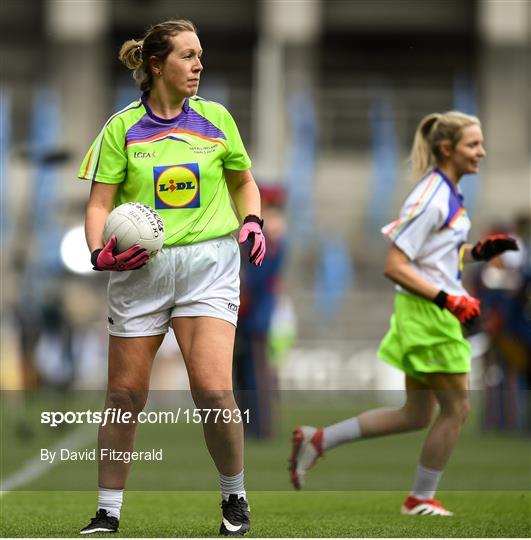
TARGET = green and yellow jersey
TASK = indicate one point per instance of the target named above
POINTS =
(173, 165)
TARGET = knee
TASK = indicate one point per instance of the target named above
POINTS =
(463, 410)
(422, 421)
(213, 399)
(419, 419)
(458, 411)
(127, 400)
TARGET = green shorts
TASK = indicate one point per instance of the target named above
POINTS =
(424, 339)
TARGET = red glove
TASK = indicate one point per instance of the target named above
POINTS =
(465, 308)
(252, 230)
(131, 259)
(493, 245)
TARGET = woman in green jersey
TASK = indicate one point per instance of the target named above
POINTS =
(183, 156)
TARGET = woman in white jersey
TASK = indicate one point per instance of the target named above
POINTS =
(183, 156)
(428, 247)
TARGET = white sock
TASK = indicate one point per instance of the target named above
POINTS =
(111, 500)
(342, 432)
(426, 482)
(232, 485)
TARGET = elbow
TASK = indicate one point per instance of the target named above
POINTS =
(389, 272)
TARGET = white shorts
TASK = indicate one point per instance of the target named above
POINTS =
(183, 281)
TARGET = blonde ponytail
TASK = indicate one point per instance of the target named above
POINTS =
(131, 54)
(421, 156)
(131, 57)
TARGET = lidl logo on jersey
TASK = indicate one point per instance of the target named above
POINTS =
(177, 186)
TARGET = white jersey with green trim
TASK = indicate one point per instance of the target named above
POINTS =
(432, 231)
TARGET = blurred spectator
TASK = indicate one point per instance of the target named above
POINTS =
(254, 372)
(54, 353)
(46, 355)
(28, 332)
(505, 293)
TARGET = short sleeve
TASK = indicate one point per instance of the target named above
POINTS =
(106, 160)
(236, 157)
(411, 231)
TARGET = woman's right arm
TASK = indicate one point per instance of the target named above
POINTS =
(398, 269)
(99, 206)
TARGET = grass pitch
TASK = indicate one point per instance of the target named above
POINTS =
(274, 514)
(356, 491)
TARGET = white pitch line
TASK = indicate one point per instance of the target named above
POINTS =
(35, 468)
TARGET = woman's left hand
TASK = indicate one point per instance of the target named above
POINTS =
(493, 245)
(252, 230)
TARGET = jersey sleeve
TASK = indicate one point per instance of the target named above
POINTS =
(413, 229)
(236, 157)
(106, 160)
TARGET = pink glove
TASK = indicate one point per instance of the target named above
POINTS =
(131, 259)
(252, 230)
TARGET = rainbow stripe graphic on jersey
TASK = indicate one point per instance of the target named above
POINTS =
(455, 209)
(457, 215)
(401, 224)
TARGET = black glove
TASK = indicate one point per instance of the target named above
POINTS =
(493, 245)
